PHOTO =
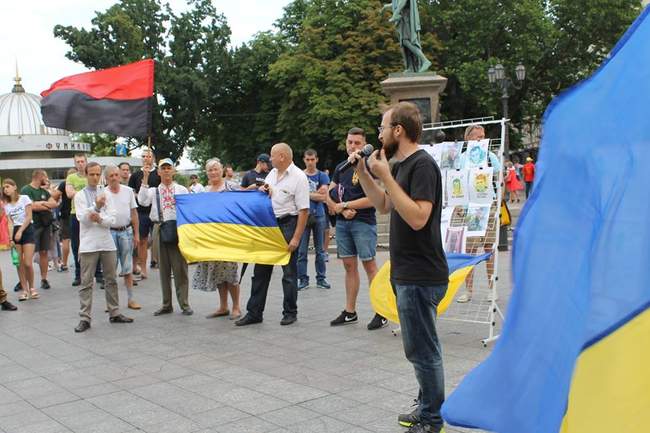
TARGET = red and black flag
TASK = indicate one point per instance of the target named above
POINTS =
(115, 101)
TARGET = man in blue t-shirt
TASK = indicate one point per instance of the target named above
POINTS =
(356, 231)
(316, 224)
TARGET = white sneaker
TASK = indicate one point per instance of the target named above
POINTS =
(464, 298)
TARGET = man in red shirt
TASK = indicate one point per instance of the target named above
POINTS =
(529, 174)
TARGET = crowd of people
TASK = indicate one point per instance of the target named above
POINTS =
(115, 220)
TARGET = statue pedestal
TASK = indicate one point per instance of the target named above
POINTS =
(422, 89)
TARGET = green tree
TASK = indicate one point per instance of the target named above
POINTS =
(330, 79)
(189, 49)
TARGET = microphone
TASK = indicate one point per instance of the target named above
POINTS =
(365, 152)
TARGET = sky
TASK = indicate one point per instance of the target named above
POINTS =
(26, 35)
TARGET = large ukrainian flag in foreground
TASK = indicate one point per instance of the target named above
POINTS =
(230, 226)
(383, 298)
(574, 355)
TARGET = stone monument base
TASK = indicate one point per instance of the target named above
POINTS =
(422, 89)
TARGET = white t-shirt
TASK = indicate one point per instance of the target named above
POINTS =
(290, 193)
(122, 201)
(17, 211)
(196, 188)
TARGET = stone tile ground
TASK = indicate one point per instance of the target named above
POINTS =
(188, 374)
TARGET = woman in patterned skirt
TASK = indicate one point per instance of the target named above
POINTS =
(221, 276)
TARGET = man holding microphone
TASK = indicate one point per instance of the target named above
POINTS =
(412, 192)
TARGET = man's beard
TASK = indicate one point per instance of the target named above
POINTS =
(390, 149)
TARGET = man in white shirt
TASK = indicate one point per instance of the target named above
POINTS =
(289, 190)
(163, 210)
(125, 228)
(95, 217)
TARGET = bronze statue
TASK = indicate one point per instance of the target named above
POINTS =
(407, 20)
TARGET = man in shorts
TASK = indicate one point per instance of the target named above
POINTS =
(356, 231)
(42, 205)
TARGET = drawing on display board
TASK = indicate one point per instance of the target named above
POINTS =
(450, 155)
(434, 150)
(457, 187)
(445, 220)
(455, 240)
(476, 154)
(480, 185)
(476, 219)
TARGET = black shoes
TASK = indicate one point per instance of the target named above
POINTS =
(288, 319)
(45, 285)
(247, 320)
(120, 318)
(84, 325)
(8, 306)
(377, 322)
(188, 312)
(408, 419)
(76, 282)
(345, 318)
(424, 428)
(18, 287)
(162, 311)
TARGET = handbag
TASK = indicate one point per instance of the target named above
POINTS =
(168, 230)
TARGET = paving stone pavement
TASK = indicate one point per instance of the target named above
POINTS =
(188, 374)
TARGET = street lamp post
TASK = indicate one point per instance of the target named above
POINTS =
(497, 77)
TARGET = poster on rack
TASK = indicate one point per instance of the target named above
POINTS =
(435, 150)
(450, 155)
(477, 154)
(480, 185)
(455, 240)
(476, 219)
(457, 187)
(445, 220)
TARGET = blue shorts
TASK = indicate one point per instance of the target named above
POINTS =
(356, 239)
(124, 244)
(144, 224)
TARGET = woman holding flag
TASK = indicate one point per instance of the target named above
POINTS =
(222, 276)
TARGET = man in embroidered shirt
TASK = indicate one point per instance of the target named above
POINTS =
(163, 209)
(95, 215)
(289, 190)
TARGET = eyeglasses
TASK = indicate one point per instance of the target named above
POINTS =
(381, 128)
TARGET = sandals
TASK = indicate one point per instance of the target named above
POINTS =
(23, 297)
(34, 294)
(217, 314)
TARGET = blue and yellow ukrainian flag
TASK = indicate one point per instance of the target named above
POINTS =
(236, 226)
(574, 354)
(382, 296)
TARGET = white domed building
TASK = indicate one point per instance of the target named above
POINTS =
(27, 144)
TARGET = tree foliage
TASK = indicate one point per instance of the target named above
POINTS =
(319, 72)
(189, 49)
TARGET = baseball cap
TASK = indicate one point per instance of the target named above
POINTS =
(263, 157)
(529, 159)
(165, 161)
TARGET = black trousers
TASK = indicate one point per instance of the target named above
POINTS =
(262, 278)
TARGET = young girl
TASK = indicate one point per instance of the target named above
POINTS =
(19, 211)
(513, 184)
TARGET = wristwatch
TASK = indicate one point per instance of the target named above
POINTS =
(345, 205)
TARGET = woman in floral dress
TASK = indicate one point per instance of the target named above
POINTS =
(221, 276)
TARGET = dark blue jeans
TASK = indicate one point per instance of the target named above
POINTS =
(262, 278)
(74, 241)
(318, 229)
(417, 309)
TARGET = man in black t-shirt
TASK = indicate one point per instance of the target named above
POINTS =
(254, 178)
(64, 210)
(148, 161)
(356, 232)
(419, 273)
